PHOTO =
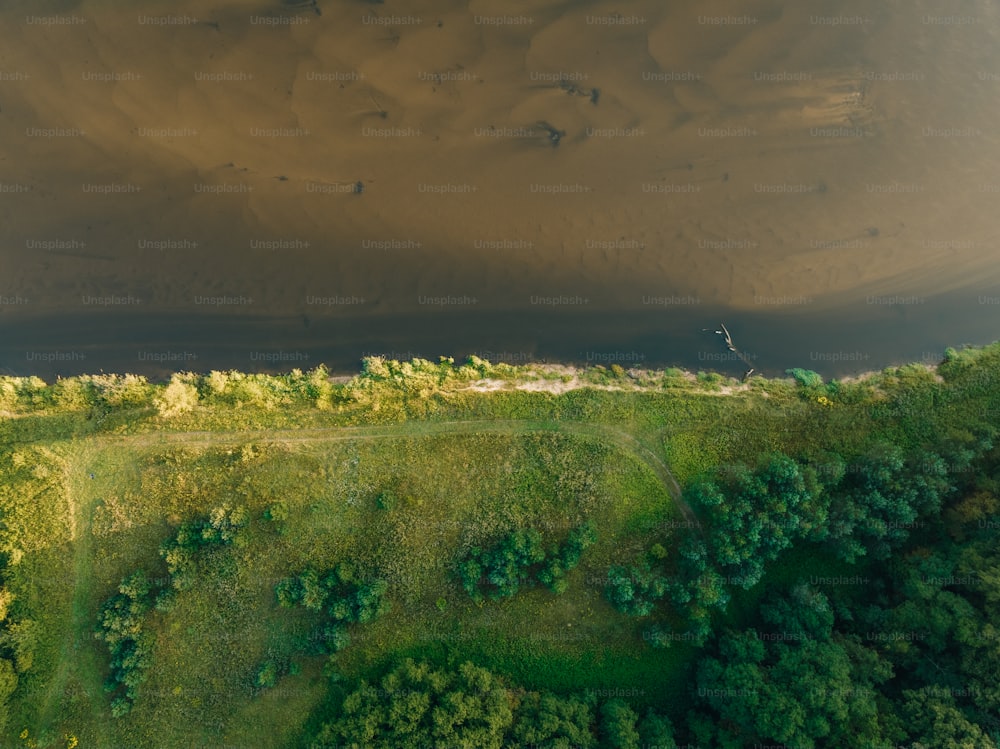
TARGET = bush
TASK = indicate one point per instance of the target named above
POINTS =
(179, 397)
(386, 500)
(335, 638)
(120, 707)
(120, 625)
(806, 377)
(289, 592)
(277, 513)
(635, 590)
(267, 675)
(520, 559)
(339, 596)
(222, 527)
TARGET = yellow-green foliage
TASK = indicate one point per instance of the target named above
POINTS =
(32, 501)
(24, 393)
(179, 397)
(109, 390)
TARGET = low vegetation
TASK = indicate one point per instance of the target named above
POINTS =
(646, 559)
(521, 559)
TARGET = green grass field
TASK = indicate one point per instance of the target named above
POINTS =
(91, 487)
(455, 488)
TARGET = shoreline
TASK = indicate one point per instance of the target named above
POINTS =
(531, 377)
(536, 369)
(552, 377)
(154, 345)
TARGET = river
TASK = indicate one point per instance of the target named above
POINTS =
(261, 186)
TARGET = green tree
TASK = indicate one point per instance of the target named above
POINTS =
(314, 595)
(21, 638)
(880, 498)
(369, 601)
(794, 682)
(934, 610)
(180, 565)
(136, 586)
(656, 730)
(223, 526)
(521, 559)
(635, 590)
(340, 596)
(289, 591)
(276, 511)
(935, 722)
(562, 559)
(417, 706)
(6, 599)
(698, 587)
(548, 721)
(618, 725)
(751, 517)
(579, 540)
(501, 570)
(120, 626)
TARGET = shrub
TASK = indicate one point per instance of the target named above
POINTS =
(520, 559)
(634, 590)
(805, 377)
(277, 513)
(267, 675)
(120, 626)
(337, 594)
(179, 397)
(386, 500)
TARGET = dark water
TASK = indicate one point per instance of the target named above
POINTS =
(156, 345)
(820, 177)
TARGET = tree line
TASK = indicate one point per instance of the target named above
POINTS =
(858, 510)
(417, 705)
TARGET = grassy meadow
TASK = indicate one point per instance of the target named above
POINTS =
(400, 471)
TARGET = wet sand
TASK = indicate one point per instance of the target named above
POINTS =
(184, 176)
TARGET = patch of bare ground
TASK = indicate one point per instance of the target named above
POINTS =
(558, 379)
